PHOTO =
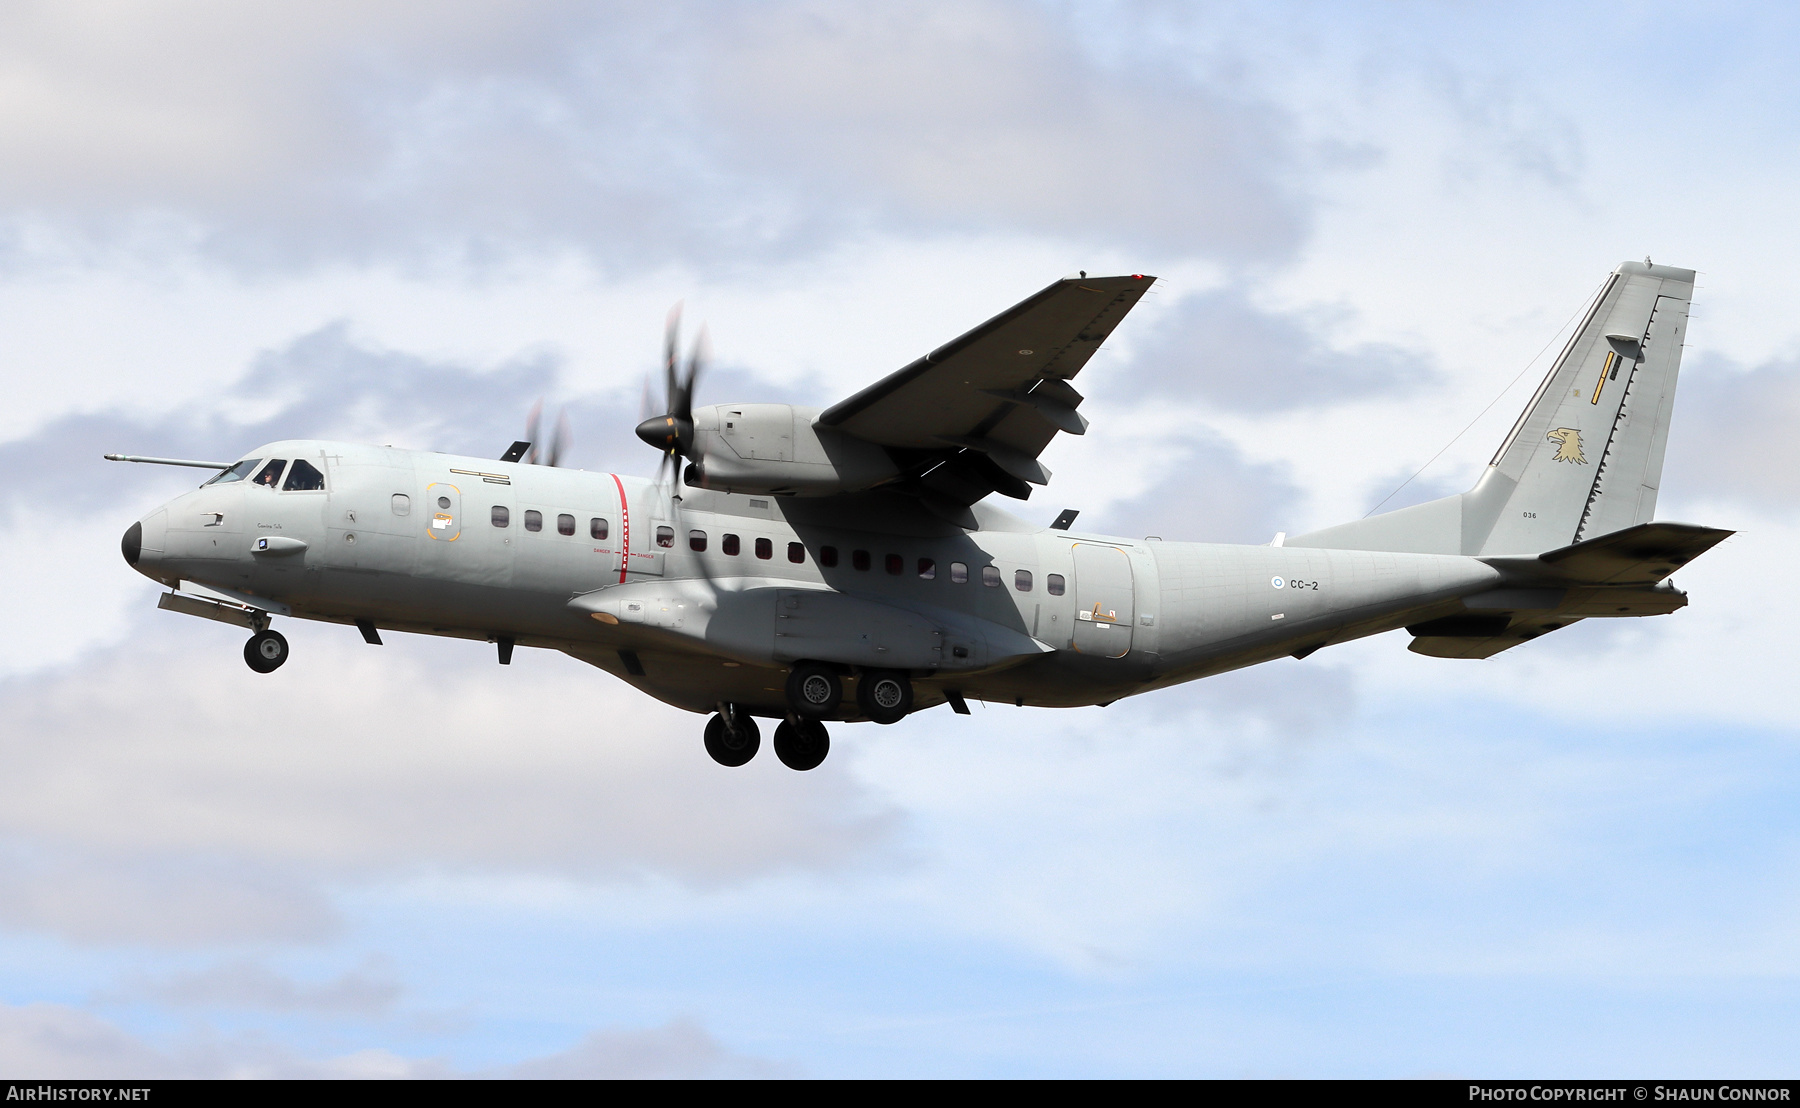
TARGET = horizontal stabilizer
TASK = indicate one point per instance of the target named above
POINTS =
(1640, 555)
(1478, 640)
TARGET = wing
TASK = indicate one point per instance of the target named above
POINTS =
(971, 417)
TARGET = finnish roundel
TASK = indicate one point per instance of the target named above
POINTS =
(1277, 582)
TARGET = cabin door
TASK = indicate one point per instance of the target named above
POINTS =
(1103, 601)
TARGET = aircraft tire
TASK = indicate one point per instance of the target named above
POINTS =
(728, 749)
(802, 746)
(884, 695)
(814, 691)
(265, 651)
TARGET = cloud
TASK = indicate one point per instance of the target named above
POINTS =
(1208, 493)
(1221, 348)
(479, 130)
(250, 985)
(990, 114)
(679, 1049)
(173, 797)
(1732, 435)
(59, 1042)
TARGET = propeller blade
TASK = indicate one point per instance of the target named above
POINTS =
(559, 441)
(531, 431)
(671, 356)
(683, 408)
(646, 405)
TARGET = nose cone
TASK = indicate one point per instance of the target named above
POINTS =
(144, 541)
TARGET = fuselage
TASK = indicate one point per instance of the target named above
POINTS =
(707, 598)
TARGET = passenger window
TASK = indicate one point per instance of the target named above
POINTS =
(959, 573)
(896, 565)
(828, 556)
(565, 524)
(665, 536)
(304, 478)
(534, 520)
(765, 549)
(1054, 584)
(927, 568)
(501, 516)
(1022, 580)
(597, 528)
(796, 552)
(697, 541)
(402, 504)
(271, 473)
(729, 544)
(990, 576)
(859, 559)
(236, 473)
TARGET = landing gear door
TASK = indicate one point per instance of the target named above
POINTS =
(1103, 601)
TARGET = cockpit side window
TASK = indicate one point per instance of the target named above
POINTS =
(304, 478)
(271, 473)
(237, 472)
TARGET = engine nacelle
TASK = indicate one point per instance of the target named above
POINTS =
(777, 448)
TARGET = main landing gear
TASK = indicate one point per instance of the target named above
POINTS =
(732, 737)
(801, 744)
(814, 694)
(265, 651)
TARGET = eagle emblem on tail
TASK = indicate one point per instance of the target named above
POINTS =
(1568, 445)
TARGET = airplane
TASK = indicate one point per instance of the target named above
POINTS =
(846, 565)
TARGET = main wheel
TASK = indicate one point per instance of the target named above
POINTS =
(730, 747)
(266, 651)
(814, 690)
(802, 746)
(884, 695)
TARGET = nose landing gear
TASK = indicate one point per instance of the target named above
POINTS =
(265, 651)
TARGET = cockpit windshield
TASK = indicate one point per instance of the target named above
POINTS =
(271, 473)
(235, 473)
(304, 477)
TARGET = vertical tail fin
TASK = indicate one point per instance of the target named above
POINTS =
(1585, 458)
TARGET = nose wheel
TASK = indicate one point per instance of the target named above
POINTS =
(265, 651)
(801, 744)
(732, 745)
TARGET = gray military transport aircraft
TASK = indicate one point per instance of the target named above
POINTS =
(844, 564)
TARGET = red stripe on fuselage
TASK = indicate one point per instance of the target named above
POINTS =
(624, 527)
